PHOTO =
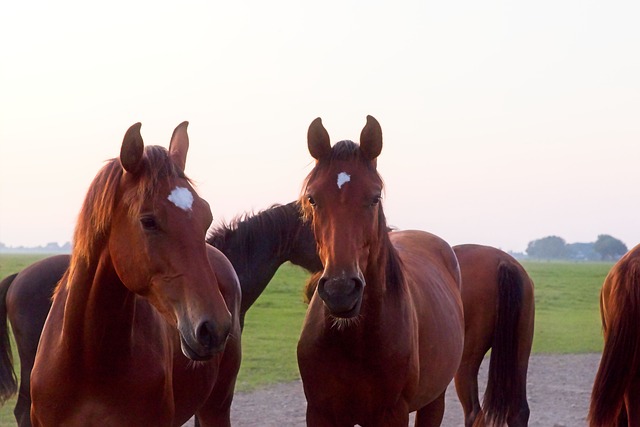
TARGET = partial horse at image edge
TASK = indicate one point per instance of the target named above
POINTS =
(615, 398)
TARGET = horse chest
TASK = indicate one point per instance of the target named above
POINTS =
(358, 381)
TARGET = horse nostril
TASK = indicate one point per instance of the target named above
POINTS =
(205, 335)
(321, 283)
(358, 284)
(339, 286)
(209, 337)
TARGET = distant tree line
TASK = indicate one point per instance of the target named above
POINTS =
(49, 248)
(605, 248)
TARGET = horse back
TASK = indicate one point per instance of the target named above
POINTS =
(433, 285)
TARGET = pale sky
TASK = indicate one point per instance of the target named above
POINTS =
(503, 122)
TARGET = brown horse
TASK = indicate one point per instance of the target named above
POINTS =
(498, 304)
(498, 301)
(615, 399)
(384, 331)
(144, 326)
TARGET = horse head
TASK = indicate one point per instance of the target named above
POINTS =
(157, 242)
(342, 196)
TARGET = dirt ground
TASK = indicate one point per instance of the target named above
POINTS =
(559, 388)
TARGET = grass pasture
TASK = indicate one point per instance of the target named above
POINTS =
(567, 318)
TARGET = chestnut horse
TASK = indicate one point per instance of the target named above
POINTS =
(498, 304)
(384, 332)
(144, 326)
(615, 399)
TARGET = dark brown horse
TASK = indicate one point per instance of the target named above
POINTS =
(384, 331)
(615, 399)
(255, 244)
(144, 326)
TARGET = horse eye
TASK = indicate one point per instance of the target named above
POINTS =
(149, 223)
(311, 201)
(375, 200)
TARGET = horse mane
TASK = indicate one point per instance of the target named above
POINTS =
(350, 151)
(246, 226)
(94, 221)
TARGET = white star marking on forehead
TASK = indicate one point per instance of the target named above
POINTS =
(343, 178)
(182, 198)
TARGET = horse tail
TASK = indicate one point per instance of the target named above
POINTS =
(501, 388)
(8, 380)
(621, 354)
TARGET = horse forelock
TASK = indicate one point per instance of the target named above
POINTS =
(345, 150)
(94, 221)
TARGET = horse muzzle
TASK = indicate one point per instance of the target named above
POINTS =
(204, 341)
(342, 295)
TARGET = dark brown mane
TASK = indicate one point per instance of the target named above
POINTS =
(248, 225)
(350, 151)
(94, 221)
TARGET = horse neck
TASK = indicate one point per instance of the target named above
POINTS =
(256, 252)
(99, 311)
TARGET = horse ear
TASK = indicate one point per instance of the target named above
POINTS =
(179, 145)
(132, 149)
(371, 139)
(318, 140)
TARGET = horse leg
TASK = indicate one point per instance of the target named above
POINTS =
(466, 381)
(22, 410)
(216, 411)
(432, 414)
(318, 418)
(214, 415)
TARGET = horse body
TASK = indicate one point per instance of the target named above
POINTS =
(384, 365)
(615, 399)
(27, 304)
(145, 319)
(384, 332)
(498, 301)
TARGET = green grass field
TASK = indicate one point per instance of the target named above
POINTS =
(567, 318)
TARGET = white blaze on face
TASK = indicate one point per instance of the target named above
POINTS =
(182, 198)
(343, 178)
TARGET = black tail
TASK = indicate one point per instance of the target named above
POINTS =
(8, 380)
(501, 387)
(621, 354)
